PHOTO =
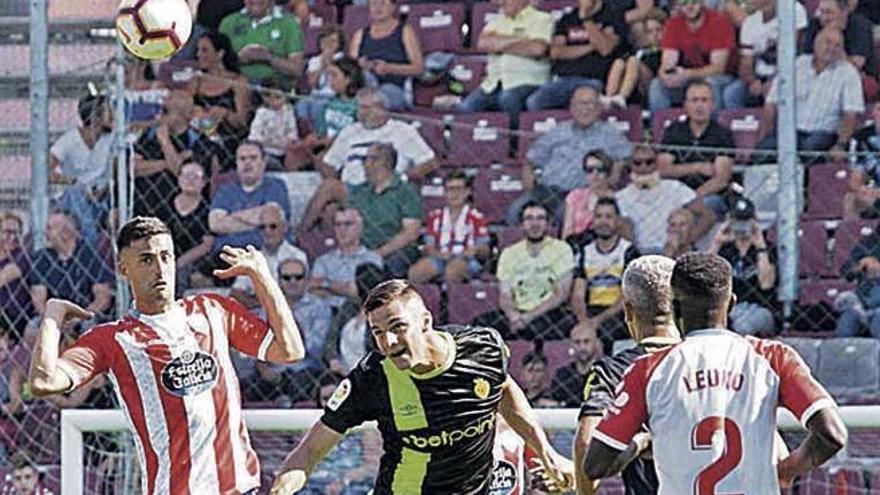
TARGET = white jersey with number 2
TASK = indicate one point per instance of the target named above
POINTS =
(710, 404)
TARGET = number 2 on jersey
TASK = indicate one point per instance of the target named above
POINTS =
(701, 439)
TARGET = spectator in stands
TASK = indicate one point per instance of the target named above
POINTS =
(741, 242)
(596, 295)
(392, 209)
(276, 248)
(70, 268)
(707, 171)
(187, 218)
(221, 96)
(350, 339)
(858, 35)
(535, 281)
(586, 42)
(536, 378)
(81, 158)
(638, 69)
(649, 199)
(517, 42)
(456, 241)
(274, 125)
(549, 174)
(758, 39)
(15, 265)
(333, 275)
(679, 233)
(568, 384)
(698, 42)
(312, 316)
(389, 52)
(863, 197)
(829, 96)
(161, 151)
(267, 40)
(861, 311)
(24, 479)
(580, 203)
(331, 47)
(237, 208)
(208, 16)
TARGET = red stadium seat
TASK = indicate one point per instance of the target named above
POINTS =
(518, 349)
(431, 295)
(479, 139)
(839, 357)
(466, 69)
(481, 14)
(826, 187)
(533, 124)
(438, 25)
(354, 17)
(315, 243)
(628, 120)
(176, 74)
(430, 125)
(321, 15)
(822, 291)
(467, 301)
(848, 234)
(495, 187)
(813, 242)
(508, 236)
(431, 191)
(743, 122)
(663, 119)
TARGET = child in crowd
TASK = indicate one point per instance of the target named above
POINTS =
(274, 124)
(637, 71)
(331, 43)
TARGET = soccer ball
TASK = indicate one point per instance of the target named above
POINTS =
(153, 29)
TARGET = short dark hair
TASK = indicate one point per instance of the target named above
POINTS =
(21, 460)
(531, 204)
(458, 174)
(222, 42)
(388, 291)
(703, 277)
(607, 201)
(333, 30)
(352, 70)
(251, 142)
(388, 151)
(87, 106)
(697, 82)
(139, 228)
(607, 161)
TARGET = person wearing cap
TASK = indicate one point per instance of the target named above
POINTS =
(741, 242)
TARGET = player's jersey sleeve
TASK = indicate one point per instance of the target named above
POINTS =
(488, 347)
(799, 392)
(246, 331)
(88, 357)
(598, 390)
(349, 405)
(628, 410)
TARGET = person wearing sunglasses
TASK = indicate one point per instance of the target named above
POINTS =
(580, 203)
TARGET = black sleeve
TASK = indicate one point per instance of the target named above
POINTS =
(348, 406)
(631, 253)
(148, 146)
(561, 26)
(725, 143)
(498, 350)
(598, 391)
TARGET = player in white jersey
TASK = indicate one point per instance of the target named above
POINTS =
(710, 402)
(170, 366)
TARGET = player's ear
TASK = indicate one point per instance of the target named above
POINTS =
(731, 303)
(121, 268)
(679, 319)
(629, 317)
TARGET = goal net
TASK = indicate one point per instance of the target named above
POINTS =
(351, 467)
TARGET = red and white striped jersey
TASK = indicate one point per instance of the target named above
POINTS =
(174, 378)
(710, 404)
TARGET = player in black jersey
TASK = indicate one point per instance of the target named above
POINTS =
(647, 303)
(434, 393)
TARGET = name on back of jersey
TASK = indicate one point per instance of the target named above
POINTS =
(713, 378)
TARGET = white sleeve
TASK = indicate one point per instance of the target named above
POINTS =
(335, 156)
(314, 64)
(800, 16)
(684, 193)
(60, 149)
(853, 97)
(412, 146)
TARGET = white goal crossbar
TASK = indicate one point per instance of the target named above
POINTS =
(76, 421)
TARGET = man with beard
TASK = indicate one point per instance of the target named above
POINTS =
(535, 276)
(170, 365)
(596, 296)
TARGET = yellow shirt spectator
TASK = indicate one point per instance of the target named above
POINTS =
(513, 70)
(532, 278)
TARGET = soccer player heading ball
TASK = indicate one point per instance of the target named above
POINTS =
(435, 394)
(170, 365)
(710, 402)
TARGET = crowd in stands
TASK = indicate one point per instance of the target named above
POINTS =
(208, 154)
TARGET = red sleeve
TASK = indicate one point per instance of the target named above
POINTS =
(246, 331)
(723, 34)
(88, 357)
(799, 392)
(672, 34)
(432, 225)
(629, 411)
(481, 227)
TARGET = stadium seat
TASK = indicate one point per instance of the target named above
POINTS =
(807, 348)
(176, 74)
(479, 139)
(813, 256)
(482, 13)
(438, 25)
(431, 295)
(847, 235)
(866, 444)
(557, 8)
(839, 357)
(354, 17)
(518, 349)
(467, 301)
(430, 125)
(663, 119)
(628, 120)
(507, 236)
(822, 291)
(315, 243)
(431, 191)
(533, 124)
(826, 186)
(495, 187)
(743, 122)
(321, 15)
(466, 69)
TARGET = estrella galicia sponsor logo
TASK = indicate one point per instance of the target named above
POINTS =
(190, 373)
(448, 438)
(503, 478)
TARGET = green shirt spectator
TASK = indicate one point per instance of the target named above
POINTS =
(337, 114)
(385, 211)
(268, 41)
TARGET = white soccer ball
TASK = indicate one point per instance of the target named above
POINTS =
(153, 29)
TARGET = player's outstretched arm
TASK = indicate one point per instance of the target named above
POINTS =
(586, 425)
(287, 346)
(827, 435)
(45, 376)
(299, 463)
(521, 417)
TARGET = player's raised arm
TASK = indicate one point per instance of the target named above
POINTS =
(294, 473)
(46, 378)
(827, 435)
(515, 409)
(287, 346)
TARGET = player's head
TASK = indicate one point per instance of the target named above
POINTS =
(398, 319)
(702, 291)
(647, 296)
(146, 260)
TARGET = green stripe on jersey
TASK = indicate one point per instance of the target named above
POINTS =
(406, 403)
(410, 473)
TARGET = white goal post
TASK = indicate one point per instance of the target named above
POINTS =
(76, 421)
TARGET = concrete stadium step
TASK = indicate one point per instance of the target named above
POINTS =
(68, 60)
(15, 115)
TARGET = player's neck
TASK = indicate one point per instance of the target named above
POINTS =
(437, 351)
(152, 308)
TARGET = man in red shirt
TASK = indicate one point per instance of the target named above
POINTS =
(698, 42)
